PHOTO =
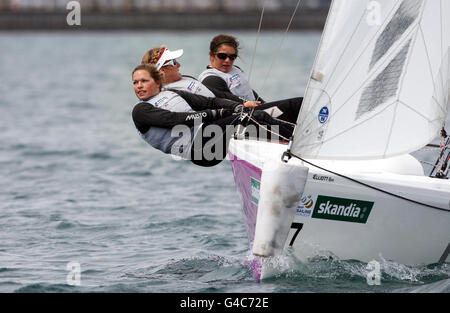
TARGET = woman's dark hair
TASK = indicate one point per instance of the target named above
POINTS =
(222, 39)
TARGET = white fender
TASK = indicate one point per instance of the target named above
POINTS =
(282, 186)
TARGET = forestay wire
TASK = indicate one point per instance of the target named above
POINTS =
(279, 47)
(257, 39)
(281, 43)
(256, 46)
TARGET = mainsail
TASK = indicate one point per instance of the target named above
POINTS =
(380, 84)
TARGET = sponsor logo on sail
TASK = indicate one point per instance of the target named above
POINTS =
(255, 186)
(323, 115)
(341, 209)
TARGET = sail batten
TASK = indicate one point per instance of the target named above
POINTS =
(379, 87)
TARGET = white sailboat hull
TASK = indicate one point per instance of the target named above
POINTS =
(393, 228)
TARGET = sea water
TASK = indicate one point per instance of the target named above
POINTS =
(88, 206)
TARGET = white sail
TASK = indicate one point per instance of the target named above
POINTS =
(380, 83)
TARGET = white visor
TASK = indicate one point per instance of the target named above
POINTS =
(168, 55)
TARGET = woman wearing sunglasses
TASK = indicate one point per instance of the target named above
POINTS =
(223, 75)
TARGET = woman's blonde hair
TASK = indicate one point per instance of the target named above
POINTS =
(152, 55)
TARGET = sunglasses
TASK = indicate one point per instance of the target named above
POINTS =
(172, 62)
(224, 56)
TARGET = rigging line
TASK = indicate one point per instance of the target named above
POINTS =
(270, 131)
(257, 39)
(281, 43)
(242, 116)
(439, 161)
(426, 163)
(263, 127)
(230, 123)
(434, 147)
(448, 166)
(286, 122)
(370, 186)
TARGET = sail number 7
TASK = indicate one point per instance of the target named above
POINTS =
(297, 226)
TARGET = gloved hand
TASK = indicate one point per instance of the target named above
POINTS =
(238, 108)
(221, 113)
(224, 112)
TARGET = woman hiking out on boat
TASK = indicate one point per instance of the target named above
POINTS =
(187, 125)
(224, 76)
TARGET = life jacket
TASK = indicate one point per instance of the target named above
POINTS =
(190, 85)
(235, 80)
(178, 140)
